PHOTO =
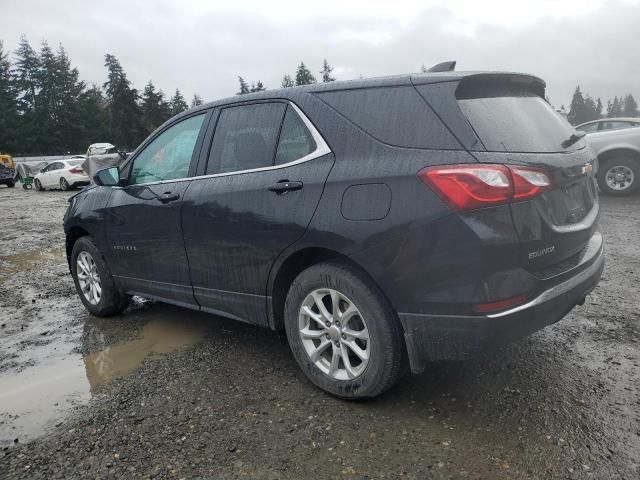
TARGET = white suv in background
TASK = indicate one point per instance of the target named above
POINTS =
(62, 174)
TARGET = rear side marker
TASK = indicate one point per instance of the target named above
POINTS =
(491, 307)
(467, 187)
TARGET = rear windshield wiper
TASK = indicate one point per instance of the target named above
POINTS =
(573, 139)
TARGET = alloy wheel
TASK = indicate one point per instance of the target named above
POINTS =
(334, 334)
(88, 278)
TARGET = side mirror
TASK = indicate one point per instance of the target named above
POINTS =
(107, 177)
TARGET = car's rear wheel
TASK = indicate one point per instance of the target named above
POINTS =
(94, 283)
(64, 185)
(343, 333)
(38, 185)
(619, 176)
(11, 184)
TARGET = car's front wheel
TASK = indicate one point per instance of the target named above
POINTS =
(619, 176)
(94, 283)
(38, 185)
(343, 333)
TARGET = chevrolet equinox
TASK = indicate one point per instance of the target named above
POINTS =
(382, 223)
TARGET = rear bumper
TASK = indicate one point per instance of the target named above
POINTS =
(445, 337)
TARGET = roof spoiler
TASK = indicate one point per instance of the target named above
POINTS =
(443, 67)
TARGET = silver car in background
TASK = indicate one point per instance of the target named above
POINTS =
(617, 144)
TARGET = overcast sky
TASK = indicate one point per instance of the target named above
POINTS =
(201, 46)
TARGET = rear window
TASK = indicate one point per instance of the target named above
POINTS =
(516, 122)
(395, 115)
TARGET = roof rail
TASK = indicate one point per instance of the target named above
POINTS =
(443, 67)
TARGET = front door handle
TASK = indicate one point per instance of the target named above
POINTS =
(167, 197)
(284, 186)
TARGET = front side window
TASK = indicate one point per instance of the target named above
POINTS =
(245, 138)
(169, 155)
(590, 127)
(295, 140)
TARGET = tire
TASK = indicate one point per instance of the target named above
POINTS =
(386, 357)
(110, 301)
(38, 185)
(64, 185)
(619, 176)
(11, 184)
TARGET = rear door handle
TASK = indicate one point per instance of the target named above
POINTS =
(284, 186)
(167, 197)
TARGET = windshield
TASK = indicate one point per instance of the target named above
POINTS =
(517, 122)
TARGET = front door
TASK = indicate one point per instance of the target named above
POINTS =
(143, 228)
(264, 177)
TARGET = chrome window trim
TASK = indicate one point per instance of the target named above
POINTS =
(321, 149)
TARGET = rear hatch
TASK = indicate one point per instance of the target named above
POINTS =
(517, 126)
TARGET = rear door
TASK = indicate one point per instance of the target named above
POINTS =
(517, 126)
(264, 175)
(143, 226)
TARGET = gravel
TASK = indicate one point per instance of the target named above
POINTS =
(231, 402)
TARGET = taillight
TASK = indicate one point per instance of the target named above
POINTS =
(467, 187)
(76, 170)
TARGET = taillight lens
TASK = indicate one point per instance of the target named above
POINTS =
(76, 170)
(467, 187)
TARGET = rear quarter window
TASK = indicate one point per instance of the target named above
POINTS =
(396, 116)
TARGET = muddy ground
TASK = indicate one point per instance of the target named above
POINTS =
(168, 393)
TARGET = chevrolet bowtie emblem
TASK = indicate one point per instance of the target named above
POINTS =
(587, 169)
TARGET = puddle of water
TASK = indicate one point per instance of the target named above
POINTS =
(35, 399)
(26, 260)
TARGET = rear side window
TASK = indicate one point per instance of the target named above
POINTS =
(516, 121)
(245, 137)
(396, 116)
(616, 125)
(295, 141)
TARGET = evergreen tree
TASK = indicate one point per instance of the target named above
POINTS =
(26, 68)
(196, 101)
(590, 110)
(576, 109)
(125, 124)
(630, 107)
(326, 72)
(258, 87)
(66, 109)
(178, 103)
(9, 140)
(614, 109)
(423, 68)
(155, 110)
(304, 76)
(287, 82)
(599, 108)
(95, 118)
(244, 86)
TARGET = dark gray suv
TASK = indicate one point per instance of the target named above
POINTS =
(382, 223)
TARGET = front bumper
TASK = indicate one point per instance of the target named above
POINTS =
(446, 337)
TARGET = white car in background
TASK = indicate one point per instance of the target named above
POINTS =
(62, 174)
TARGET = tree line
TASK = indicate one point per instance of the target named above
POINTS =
(302, 76)
(46, 109)
(584, 108)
